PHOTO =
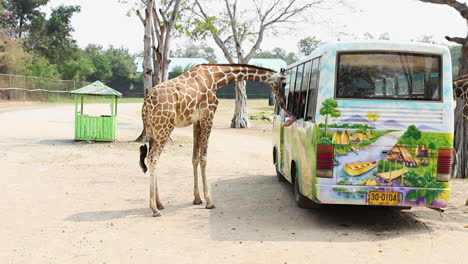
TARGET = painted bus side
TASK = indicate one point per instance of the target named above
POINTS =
(344, 149)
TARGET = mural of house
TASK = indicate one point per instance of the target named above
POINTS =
(359, 137)
(422, 151)
(340, 138)
(336, 139)
(345, 138)
(402, 154)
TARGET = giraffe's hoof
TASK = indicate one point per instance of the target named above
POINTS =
(210, 206)
(156, 214)
(160, 207)
(197, 201)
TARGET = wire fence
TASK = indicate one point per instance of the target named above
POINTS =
(28, 88)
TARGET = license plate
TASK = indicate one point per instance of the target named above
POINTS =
(384, 198)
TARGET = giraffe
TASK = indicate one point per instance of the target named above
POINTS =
(190, 99)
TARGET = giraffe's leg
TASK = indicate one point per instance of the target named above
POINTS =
(154, 195)
(195, 162)
(203, 141)
(157, 142)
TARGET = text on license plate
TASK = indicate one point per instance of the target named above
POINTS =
(383, 198)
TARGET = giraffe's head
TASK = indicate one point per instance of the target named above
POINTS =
(277, 82)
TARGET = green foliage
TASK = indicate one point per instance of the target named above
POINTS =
(440, 140)
(13, 58)
(52, 37)
(329, 108)
(308, 44)
(192, 50)
(203, 28)
(362, 127)
(426, 181)
(178, 70)
(101, 63)
(39, 66)
(278, 53)
(412, 132)
(23, 11)
(77, 66)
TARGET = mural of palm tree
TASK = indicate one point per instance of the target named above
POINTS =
(329, 109)
(373, 117)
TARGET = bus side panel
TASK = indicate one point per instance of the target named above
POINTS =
(300, 146)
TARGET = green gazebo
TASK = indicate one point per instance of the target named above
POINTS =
(96, 128)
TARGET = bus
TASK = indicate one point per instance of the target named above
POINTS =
(374, 125)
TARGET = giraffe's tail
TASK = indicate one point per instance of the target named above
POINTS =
(143, 153)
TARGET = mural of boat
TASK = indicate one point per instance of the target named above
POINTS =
(358, 168)
(391, 175)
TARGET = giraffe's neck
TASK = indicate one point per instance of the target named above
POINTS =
(221, 75)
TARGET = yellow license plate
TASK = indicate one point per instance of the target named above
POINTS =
(383, 198)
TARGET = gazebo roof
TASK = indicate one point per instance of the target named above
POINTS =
(97, 88)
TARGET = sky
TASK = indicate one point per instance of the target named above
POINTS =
(106, 22)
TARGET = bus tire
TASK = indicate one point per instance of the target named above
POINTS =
(301, 200)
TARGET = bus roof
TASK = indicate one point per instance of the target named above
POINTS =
(381, 45)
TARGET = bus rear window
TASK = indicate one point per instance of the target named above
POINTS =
(389, 75)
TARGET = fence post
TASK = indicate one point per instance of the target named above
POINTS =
(10, 86)
(24, 93)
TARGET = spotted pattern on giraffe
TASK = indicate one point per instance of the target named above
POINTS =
(190, 99)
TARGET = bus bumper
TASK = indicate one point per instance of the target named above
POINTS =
(381, 195)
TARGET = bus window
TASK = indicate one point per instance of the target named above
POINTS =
(297, 91)
(313, 90)
(289, 92)
(304, 88)
(361, 75)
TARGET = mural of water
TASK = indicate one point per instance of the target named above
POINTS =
(377, 151)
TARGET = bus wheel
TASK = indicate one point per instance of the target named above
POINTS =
(300, 199)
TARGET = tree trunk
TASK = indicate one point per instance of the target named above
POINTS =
(463, 69)
(147, 68)
(147, 57)
(240, 119)
(460, 167)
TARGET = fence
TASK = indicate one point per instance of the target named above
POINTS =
(28, 88)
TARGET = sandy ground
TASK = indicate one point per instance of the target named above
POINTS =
(69, 202)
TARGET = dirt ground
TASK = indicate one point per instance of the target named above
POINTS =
(76, 202)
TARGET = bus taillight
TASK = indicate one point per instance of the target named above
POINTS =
(325, 156)
(444, 165)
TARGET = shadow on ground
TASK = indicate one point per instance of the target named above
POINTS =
(259, 208)
(107, 215)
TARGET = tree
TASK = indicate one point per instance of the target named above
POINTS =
(23, 11)
(232, 27)
(373, 117)
(308, 44)
(412, 132)
(329, 109)
(159, 21)
(192, 50)
(13, 58)
(159, 24)
(52, 38)
(40, 66)
(462, 9)
(460, 123)
(102, 66)
(280, 53)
